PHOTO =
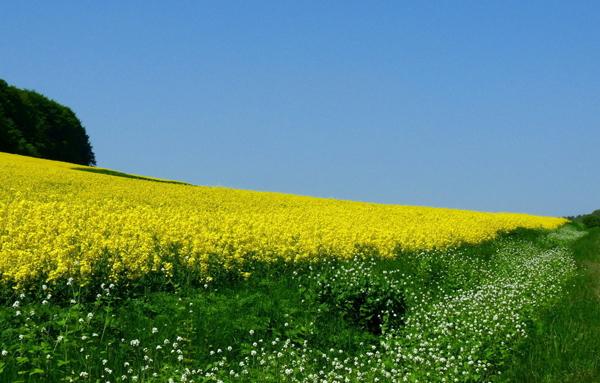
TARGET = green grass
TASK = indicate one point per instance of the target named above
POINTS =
(114, 173)
(223, 319)
(566, 344)
(358, 319)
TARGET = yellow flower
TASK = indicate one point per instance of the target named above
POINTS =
(58, 222)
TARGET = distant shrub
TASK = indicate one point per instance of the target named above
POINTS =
(592, 220)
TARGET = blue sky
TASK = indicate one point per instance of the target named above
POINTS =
(476, 105)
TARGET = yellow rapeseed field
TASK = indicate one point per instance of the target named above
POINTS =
(57, 222)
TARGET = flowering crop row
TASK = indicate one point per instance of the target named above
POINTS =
(58, 222)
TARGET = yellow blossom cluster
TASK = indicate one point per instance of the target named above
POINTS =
(57, 221)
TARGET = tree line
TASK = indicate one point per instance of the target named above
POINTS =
(34, 125)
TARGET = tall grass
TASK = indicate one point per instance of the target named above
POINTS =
(566, 344)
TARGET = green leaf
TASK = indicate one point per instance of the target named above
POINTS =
(36, 371)
(22, 359)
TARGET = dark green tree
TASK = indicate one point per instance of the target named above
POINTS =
(33, 125)
(591, 220)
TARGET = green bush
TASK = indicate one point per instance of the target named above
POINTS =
(370, 300)
(592, 220)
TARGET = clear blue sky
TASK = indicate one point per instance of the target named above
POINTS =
(477, 105)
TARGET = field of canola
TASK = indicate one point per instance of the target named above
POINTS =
(58, 222)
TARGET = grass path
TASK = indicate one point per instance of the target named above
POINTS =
(566, 344)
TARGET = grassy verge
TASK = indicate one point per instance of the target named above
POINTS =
(126, 175)
(566, 344)
(435, 316)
